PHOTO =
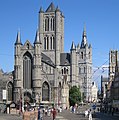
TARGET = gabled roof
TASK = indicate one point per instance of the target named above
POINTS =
(65, 59)
(51, 8)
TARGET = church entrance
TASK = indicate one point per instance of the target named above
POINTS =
(28, 97)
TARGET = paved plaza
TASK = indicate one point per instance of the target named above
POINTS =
(66, 115)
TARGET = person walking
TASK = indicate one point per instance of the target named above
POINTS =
(39, 114)
(54, 113)
(90, 115)
(86, 113)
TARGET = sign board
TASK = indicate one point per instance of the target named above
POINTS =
(4, 94)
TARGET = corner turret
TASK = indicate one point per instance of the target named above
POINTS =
(18, 39)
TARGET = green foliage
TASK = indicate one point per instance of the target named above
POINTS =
(74, 95)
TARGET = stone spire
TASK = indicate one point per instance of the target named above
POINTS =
(37, 38)
(18, 39)
(84, 38)
(57, 9)
(41, 10)
(73, 47)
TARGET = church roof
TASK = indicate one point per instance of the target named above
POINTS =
(47, 60)
(65, 59)
(51, 8)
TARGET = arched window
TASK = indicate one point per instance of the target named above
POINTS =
(9, 88)
(47, 42)
(81, 55)
(64, 70)
(44, 43)
(47, 24)
(84, 69)
(53, 24)
(51, 42)
(27, 70)
(89, 55)
(45, 92)
(67, 71)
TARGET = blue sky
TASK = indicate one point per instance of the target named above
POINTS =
(101, 18)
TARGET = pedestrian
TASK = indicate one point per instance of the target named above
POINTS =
(54, 113)
(113, 109)
(90, 115)
(39, 114)
(86, 113)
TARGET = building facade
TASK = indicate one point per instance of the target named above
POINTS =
(43, 72)
(115, 84)
(94, 92)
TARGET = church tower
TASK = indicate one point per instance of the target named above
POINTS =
(51, 27)
(17, 67)
(85, 67)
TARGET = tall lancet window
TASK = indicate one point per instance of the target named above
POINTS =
(45, 92)
(9, 89)
(47, 24)
(52, 25)
(27, 71)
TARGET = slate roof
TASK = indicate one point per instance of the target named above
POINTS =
(47, 60)
(65, 59)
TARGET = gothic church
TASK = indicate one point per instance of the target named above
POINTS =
(43, 72)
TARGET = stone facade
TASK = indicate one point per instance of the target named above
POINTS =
(43, 71)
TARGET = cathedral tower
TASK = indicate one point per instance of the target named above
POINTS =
(51, 27)
(85, 67)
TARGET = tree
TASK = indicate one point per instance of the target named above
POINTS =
(74, 95)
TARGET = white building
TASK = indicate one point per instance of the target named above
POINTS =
(94, 92)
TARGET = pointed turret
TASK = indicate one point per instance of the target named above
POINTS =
(84, 38)
(41, 10)
(51, 8)
(90, 46)
(37, 38)
(73, 47)
(78, 46)
(18, 39)
(57, 9)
